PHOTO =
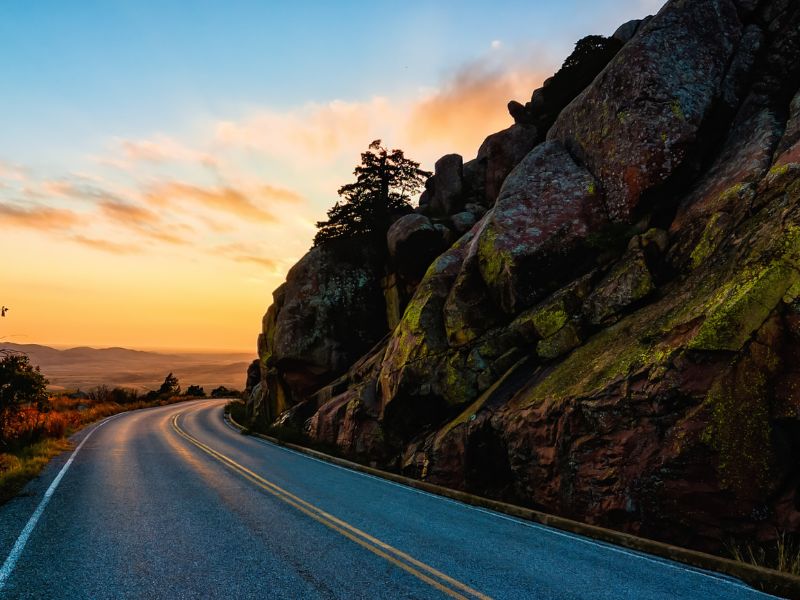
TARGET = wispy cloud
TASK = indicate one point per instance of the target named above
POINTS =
(247, 253)
(225, 199)
(471, 105)
(165, 236)
(106, 245)
(79, 190)
(163, 149)
(314, 134)
(258, 260)
(128, 214)
(37, 217)
(280, 194)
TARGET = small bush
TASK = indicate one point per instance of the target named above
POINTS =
(21, 384)
(237, 410)
(223, 392)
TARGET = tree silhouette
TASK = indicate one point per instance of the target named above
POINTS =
(385, 182)
(170, 387)
(592, 53)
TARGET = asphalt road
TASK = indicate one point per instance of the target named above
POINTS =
(172, 503)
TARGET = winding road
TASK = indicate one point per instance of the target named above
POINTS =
(171, 502)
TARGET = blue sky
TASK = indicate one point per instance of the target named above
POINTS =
(193, 145)
(79, 72)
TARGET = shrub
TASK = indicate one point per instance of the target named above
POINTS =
(124, 395)
(237, 410)
(20, 383)
(223, 392)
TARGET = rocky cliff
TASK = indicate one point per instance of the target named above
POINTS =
(599, 315)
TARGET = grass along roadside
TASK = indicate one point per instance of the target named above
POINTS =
(781, 554)
(19, 468)
(39, 435)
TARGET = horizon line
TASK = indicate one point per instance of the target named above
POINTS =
(155, 349)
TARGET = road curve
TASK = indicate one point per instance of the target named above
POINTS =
(172, 503)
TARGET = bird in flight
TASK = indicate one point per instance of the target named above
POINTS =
(3, 311)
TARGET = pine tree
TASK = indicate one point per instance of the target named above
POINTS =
(385, 182)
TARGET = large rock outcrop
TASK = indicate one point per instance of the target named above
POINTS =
(328, 313)
(613, 332)
(640, 120)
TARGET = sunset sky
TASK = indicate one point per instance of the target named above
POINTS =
(162, 167)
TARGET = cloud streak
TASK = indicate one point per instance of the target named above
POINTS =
(90, 192)
(226, 199)
(162, 149)
(38, 217)
(471, 105)
(128, 214)
(106, 245)
(258, 260)
(247, 253)
(314, 134)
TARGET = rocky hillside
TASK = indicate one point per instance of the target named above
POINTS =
(599, 315)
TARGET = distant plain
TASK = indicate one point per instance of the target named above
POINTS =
(84, 368)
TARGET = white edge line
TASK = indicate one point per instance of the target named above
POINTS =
(539, 526)
(19, 545)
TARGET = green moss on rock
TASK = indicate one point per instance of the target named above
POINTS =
(743, 305)
(710, 240)
(565, 339)
(549, 319)
(610, 356)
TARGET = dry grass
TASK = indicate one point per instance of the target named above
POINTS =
(782, 554)
(33, 437)
(19, 468)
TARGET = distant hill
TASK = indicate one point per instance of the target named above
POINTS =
(84, 367)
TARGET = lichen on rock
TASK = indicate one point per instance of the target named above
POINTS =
(539, 224)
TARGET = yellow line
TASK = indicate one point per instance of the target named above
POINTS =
(360, 537)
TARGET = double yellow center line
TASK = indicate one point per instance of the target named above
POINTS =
(420, 570)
